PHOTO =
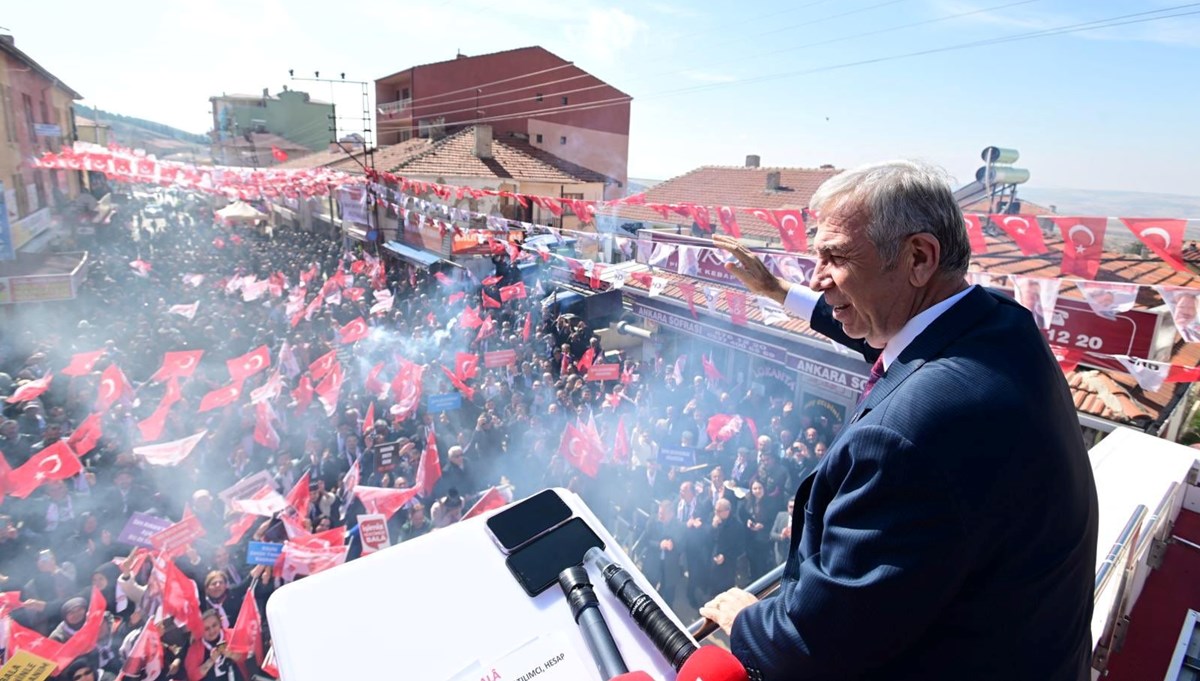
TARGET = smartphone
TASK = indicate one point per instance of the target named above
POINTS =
(538, 564)
(528, 519)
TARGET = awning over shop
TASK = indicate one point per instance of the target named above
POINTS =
(412, 255)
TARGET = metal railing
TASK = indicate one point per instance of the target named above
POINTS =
(1119, 563)
(390, 109)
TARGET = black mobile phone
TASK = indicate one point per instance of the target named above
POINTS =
(528, 519)
(538, 564)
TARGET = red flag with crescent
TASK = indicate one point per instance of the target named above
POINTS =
(729, 221)
(1163, 237)
(178, 364)
(113, 386)
(82, 363)
(241, 368)
(1024, 230)
(1083, 245)
(353, 331)
(975, 234)
(221, 397)
(56, 462)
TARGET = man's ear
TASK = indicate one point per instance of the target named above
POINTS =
(922, 253)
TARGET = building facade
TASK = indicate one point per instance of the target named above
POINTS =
(528, 94)
(291, 121)
(36, 116)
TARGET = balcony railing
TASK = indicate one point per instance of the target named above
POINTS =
(394, 109)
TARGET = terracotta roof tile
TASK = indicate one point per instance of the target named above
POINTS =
(454, 156)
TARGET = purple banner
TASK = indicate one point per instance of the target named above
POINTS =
(140, 528)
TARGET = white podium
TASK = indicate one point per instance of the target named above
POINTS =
(430, 608)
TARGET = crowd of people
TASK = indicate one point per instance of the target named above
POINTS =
(696, 530)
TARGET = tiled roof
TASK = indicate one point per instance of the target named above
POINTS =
(733, 186)
(1097, 393)
(466, 59)
(337, 159)
(454, 156)
(262, 140)
(1027, 207)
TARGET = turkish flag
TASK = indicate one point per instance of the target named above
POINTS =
(688, 289)
(113, 386)
(489, 301)
(82, 363)
(1163, 237)
(487, 329)
(729, 221)
(84, 640)
(152, 427)
(429, 470)
(281, 156)
(578, 450)
(975, 234)
(1083, 245)
(241, 368)
(465, 389)
(178, 364)
(323, 365)
(621, 451)
(169, 453)
(710, 369)
(517, 290)
(83, 439)
(353, 331)
(30, 390)
(20, 638)
(466, 365)
(737, 307)
(247, 637)
(329, 390)
(369, 418)
(528, 328)
(721, 427)
(699, 214)
(147, 653)
(491, 281)
(384, 500)
(373, 385)
(406, 389)
(221, 397)
(492, 499)
(355, 293)
(239, 528)
(299, 496)
(1024, 230)
(303, 394)
(585, 362)
(180, 599)
(790, 224)
(1068, 358)
(56, 462)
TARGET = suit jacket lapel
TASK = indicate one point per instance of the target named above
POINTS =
(952, 324)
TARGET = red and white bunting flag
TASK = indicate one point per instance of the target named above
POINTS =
(1181, 301)
(329, 390)
(221, 397)
(85, 436)
(56, 462)
(178, 364)
(82, 363)
(578, 450)
(185, 311)
(1083, 245)
(790, 224)
(737, 307)
(974, 225)
(1182, 374)
(688, 289)
(169, 453)
(353, 331)
(1024, 230)
(1149, 375)
(492, 499)
(657, 286)
(1108, 299)
(323, 365)
(246, 637)
(1068, 358)
(241, 368)
(113, 386)
(772, 312)
(30, 390)
(729, 221)
(1039, 295)
(1163, 237)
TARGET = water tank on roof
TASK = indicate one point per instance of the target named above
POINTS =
(1002, 175)
(1000, 155)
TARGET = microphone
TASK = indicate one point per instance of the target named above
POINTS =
(711, 663)
(585, 608)
(674, 643)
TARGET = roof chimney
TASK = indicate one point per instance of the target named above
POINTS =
(266, 93)
(752, 160)
(773, 181)
(483, 141)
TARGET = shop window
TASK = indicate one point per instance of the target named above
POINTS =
(539, 139)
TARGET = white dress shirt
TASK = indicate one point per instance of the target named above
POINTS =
(802, 300)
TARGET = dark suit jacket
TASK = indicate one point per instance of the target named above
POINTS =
(934, 544)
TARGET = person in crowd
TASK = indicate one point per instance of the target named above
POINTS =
(660, 550)
(781, 533)
(208, 658)
(726, 541)
(755, 513)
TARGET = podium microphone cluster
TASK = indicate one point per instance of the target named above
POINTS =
(693, 663)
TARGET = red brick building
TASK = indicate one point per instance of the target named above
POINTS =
(526, 94)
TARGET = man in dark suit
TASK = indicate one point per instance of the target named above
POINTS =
(923, 549)
(661, 547)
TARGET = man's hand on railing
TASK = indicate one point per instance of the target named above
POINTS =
(724, 608)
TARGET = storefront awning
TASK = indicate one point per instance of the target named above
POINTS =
(412, 255)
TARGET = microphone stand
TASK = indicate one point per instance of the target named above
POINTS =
(585, 609)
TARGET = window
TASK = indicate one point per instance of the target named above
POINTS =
(562, 140)
(539, 139)
(566, 206)
(1185, 663)
(39, 186)
(404, 93)
(21, 194)
(539, 96)
(10, 119)
(564, 101)
(28, 104)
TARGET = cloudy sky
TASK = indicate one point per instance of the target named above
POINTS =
(800, 83)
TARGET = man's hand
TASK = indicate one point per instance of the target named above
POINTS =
(751, 271)
(724, 608)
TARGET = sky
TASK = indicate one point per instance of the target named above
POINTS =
(800, 83)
